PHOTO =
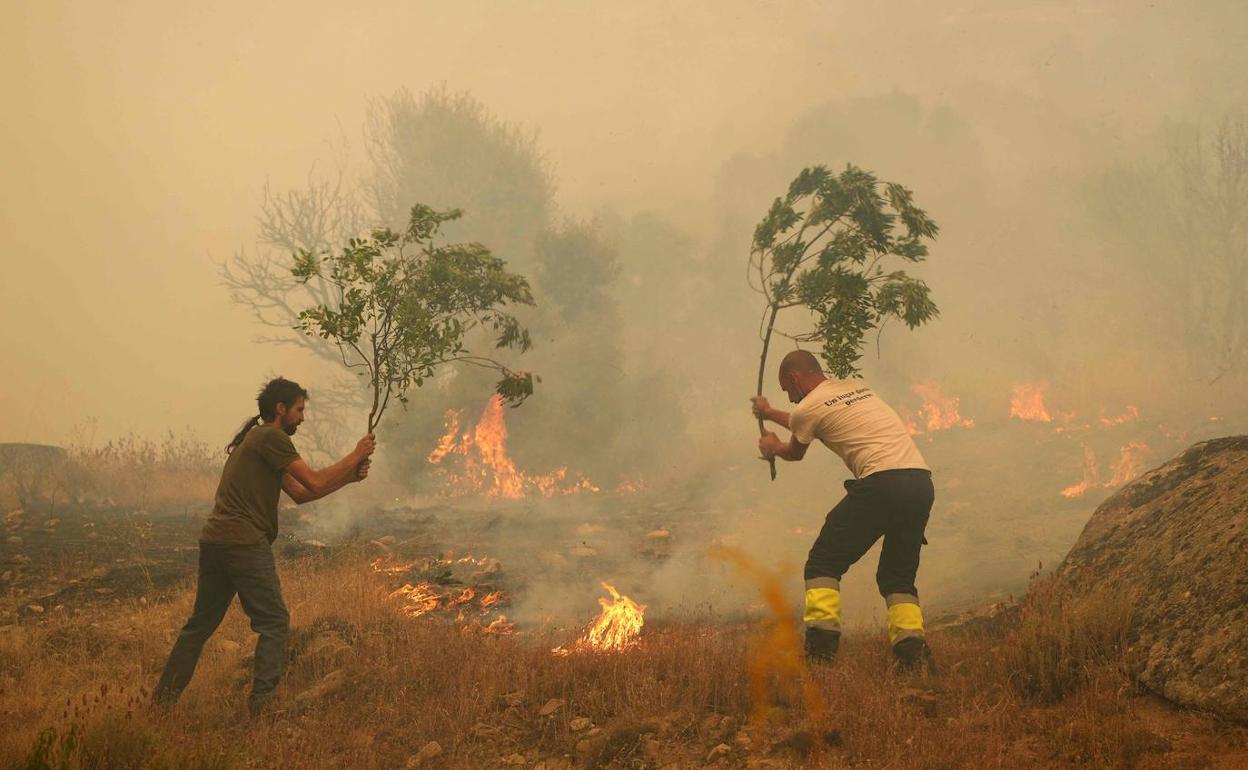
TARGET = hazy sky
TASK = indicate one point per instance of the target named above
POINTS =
(138, 135)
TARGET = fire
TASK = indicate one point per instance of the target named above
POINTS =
(1028, 402)
(1130, 415)
(485, 469)
(630, 486)
(443, 590)
(616, 627)
(1090, 474)
(1130, 464)
(938, 412)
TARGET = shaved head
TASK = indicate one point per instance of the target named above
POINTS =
(800, 362)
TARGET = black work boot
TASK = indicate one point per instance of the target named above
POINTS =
(912, 655)
(821, 645)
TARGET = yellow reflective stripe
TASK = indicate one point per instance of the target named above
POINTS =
(823, 608)
(905, 620)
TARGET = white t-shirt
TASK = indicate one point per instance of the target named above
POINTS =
(851, 420)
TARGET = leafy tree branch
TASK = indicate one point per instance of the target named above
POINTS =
(401, 304)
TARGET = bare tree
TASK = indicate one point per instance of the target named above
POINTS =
(1182, 215)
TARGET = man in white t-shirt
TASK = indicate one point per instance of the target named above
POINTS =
(890, 496)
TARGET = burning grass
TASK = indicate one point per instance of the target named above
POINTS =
(369, 686)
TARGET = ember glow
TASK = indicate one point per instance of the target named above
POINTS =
(475, 462)
(1028, 402)
(938, 412)
(616, 627)
(476, 606)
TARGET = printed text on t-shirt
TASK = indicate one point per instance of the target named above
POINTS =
(852, 397)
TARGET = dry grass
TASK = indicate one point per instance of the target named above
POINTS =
(1048, 694)
(131, 471)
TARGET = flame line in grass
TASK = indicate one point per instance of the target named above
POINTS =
(616, 628)
(484, 467)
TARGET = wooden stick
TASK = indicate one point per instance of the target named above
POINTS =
(762, 368)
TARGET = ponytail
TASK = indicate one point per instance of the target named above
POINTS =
(242, 433)
(276, 391)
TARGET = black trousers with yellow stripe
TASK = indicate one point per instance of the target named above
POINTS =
(894, 505)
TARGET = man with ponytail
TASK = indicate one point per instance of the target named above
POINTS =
(235, 547)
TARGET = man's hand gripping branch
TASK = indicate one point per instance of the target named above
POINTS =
(305, 485)
(769, 444)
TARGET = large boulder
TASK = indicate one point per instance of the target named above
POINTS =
(1175, 542)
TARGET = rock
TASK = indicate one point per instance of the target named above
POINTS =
(593, 732)
(580, 723)
(429, 751)
(651, 749)
(552, 706)
(722, 750)
(330, 684)
(228, 646)
(513, 717)
(35, 608)
(327, 647)
(360, 739)
(482, 730)
(1172, 543)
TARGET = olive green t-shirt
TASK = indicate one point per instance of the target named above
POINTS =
(245, 512)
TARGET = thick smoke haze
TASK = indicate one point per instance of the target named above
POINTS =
(140, 136)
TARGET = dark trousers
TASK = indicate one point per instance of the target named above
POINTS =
(226, 570)
(891, 504)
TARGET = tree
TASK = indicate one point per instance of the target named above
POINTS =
(439, 147)
(446, 149)
(821, 248)
(1182, 217)
(401, 305)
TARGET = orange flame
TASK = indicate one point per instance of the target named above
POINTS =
(1090, 474)
(485, 469)
(470, 604)
(616, 627)
(1130, 464)
(1130, 415)
(1028, 402)
(938, 412)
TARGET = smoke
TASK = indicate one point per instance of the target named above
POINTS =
(620, 157)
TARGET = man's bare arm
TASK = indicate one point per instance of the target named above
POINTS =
(763, 410)
(771, 446)
(301, 494)
(327, 480)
